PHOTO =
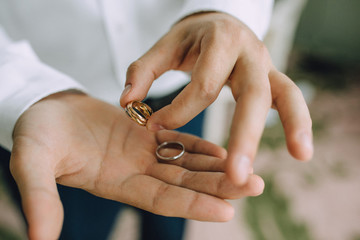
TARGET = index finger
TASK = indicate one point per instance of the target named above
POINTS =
(211, 71)
(144, 71)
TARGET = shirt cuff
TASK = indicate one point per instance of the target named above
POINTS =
(255, 14)
(24, 80)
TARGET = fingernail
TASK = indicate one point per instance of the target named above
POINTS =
(154, 127)
(126, 90)
(243, 168)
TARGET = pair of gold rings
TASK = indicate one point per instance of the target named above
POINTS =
(140, 113)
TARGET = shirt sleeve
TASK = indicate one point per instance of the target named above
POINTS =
(24, 80)
(255, 14)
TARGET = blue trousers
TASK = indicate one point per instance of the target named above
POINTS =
(89, 217)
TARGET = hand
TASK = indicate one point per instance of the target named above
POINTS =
(75, 140)
(219, 49)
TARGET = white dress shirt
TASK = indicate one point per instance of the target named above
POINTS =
(51, 46)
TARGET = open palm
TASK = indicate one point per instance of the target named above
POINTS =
(78, 141)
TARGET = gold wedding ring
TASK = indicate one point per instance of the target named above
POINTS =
(174, 145)
(139, 112)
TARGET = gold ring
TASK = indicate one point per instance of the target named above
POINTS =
(139, 112)
(172, 145)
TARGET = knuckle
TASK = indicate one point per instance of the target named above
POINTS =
(263, 51)
(220, 185)
(218, 32)
(157, 203)
(134, 67)
(257, 54)
(263, 54)
(187, 177)
(230, 32)
(208, 90)
(193, 203)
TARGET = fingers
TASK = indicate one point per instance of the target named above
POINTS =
(192, 144)
(294, 115)
(251, 89)
(212, 183)
(161, 198)
(37, 186)
(141, 73)
(199, 162)
(210, 72)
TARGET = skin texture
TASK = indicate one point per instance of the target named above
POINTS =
(220, 50)
(78, 141)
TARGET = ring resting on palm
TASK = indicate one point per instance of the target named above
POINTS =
(177, 149)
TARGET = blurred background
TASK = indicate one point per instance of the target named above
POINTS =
(317, 43)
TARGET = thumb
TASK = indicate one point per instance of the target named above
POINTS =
(141, 73)
(34, 176)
